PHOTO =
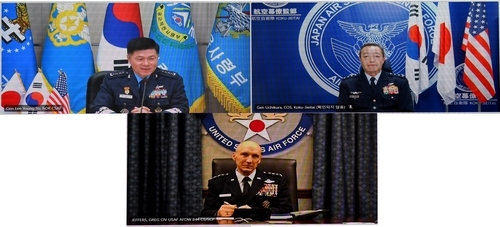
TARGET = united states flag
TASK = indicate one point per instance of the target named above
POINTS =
(478, 70)
(59, 95)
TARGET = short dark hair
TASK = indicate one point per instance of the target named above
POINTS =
(142, 43)
(372, 44)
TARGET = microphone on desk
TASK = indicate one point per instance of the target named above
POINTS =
(143, 86)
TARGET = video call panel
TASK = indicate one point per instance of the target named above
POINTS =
(302, 51)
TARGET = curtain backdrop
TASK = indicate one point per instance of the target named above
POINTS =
(164, 165)
(165, 173)
(345, 166)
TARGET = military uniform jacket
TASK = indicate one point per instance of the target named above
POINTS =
(266, 186)
(119, 92)
(392, 93)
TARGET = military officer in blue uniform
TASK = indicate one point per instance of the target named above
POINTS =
(227, 191)
(142, 88)
(373, 89)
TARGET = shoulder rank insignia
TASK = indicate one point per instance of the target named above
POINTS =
(118, 74)
(163, 72)
(220, 175)
(350, 76)
(273, 174)
(398, 75)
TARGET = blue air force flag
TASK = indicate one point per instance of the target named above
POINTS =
(68, 48)
(122, 23)
(18, 51)
(228, 57)
(173, 29)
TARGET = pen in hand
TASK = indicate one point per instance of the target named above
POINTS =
(226, 209)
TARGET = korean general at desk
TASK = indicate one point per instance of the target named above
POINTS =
(374, 89)
(142, 88)
(246, 186)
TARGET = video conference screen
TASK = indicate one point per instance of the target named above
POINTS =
(301, 52)
(258, 71)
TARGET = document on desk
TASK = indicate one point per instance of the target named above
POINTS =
(281, 216)
(224, 218)
(279, 222)
(307, 214)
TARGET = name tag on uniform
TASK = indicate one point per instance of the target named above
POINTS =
(124, 96)
(225, 195)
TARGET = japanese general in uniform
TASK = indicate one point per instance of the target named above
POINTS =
(391, 93)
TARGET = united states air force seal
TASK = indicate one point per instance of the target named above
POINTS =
(275, 132)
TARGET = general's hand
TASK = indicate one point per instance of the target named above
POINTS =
(138, 110)
(244, 207)
(226, 210)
